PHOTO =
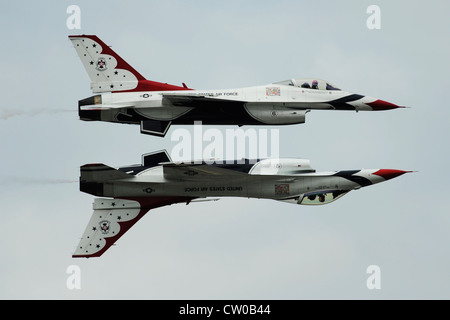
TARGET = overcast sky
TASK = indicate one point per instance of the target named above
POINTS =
(232, 248)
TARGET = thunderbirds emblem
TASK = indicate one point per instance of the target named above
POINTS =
(104, 226)
(101, 64)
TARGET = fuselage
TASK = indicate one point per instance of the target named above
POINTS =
(272, 104)
(277, 179)
(151, 184)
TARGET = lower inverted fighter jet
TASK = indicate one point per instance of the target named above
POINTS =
(128, 193)
(123, 95)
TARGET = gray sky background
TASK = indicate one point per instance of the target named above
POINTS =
(232, 248)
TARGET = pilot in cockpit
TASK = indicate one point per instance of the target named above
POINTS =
(315, 85)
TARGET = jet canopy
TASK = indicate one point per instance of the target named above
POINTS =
(309, 83)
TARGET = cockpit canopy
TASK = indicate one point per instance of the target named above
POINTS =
(309, 83)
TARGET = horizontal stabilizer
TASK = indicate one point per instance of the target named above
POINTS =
(99, 172)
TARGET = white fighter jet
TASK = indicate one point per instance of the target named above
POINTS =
(128, 193)
(123, 95)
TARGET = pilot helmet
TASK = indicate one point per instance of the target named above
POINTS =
(315, 84)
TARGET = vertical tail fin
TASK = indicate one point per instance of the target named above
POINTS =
(109, 72)
(112, 218)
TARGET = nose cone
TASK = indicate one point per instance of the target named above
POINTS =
(379, 105)
(390, 173)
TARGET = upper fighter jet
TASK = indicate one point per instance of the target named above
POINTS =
(123, 95)
(133, 190)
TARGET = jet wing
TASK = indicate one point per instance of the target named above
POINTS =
(112, 218)
(192, 171)
(205, 101)
(199, 101)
